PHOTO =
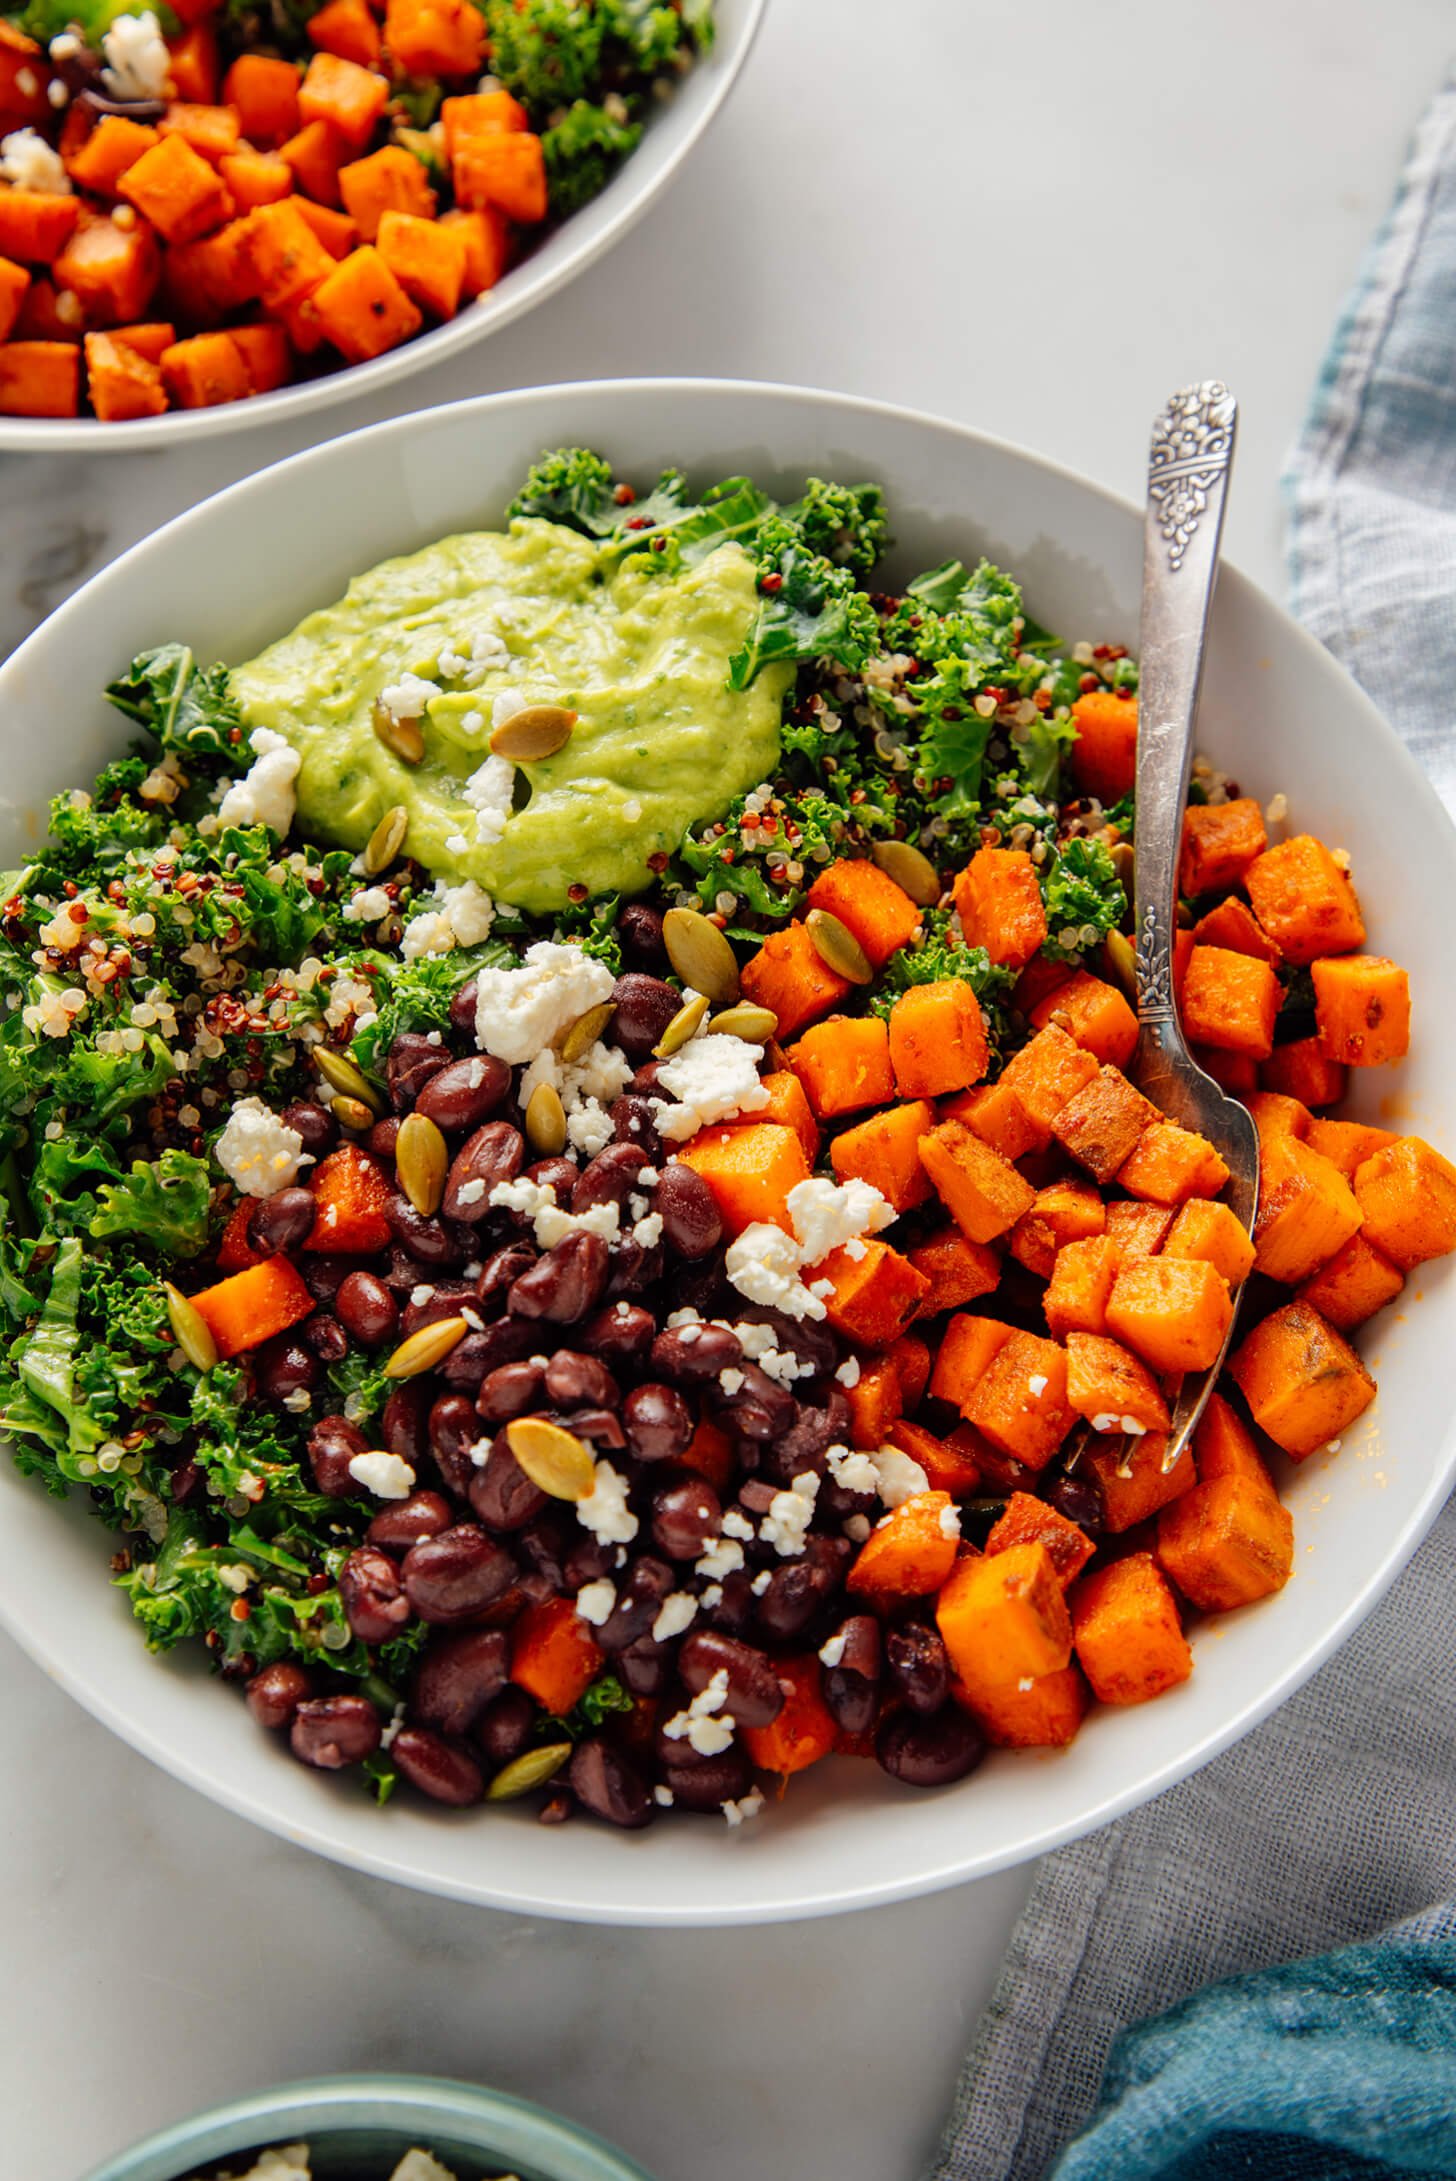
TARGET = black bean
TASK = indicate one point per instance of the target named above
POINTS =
(404, 1425)
(505, 1340)
(367, 1309)
(639, 930)
(732, 1615)
(804, 1445)
(567, 1283)
(609, 1785)
(383, 1138)
(851, 1689)
(929, 1752)
(645, 1006)
(659, 1422)
(505, 1727)
(283, 1221)
(587, 1560)
(558, 1173)
(635, 1267)
(274, 1695)
(332, 1445)
(649, 1581)
(754, 1697)
(794, 1595)
(541, 1549)
(283, 1366)
(610, 1178)
(438, 1299)
(620, 1334)
(497, 1273)
(437, 1768)
(501, 1493)
(634, 1121)
(456, 1575)
(406, 1521)
(470, 1359)
(576, 1381)
(758, 1407)
(334, 1731)
(691, 1222)
(375, 1606)
(325, 1337)
(602, 1426)
(691, 1355)
(1079, 1499)
(685, 1517)
(465, 1093)
(324, 1274)
(919, 1666)
(462, 1008)
(492, 1155)
(707, 1785)
(511, 1390)
(314, 1123)
(645, 1079)
(428, 1241)
(701, 1284)
(643, 1666)
(457, 1677)
(413, 1060)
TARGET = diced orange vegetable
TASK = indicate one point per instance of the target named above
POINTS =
(1304, 900)
(36, 225)
(1169, 1164)
(39, 379)
(1063, 1212)
(1000, 904)
(1081, 1281)
(426, 258)
(288, 258)
(1172, 1311)
(1137, 1230)
(314, 156)
(1103, 1123)
(1226, 1544)
(803, 1732)
(788, 1106)
(347, 29)
(435, 37)
(1046, 1075)
(1407, 1194)
(1234, 1072)
(265, 93)
(506, 170)
(1130, 1479)
(349, 98)
(1042, 976)
(1215, 1233)
(1220, 841)
(1030, 1521)
(709, 1453)
(554, 1656)
(967, 1348)
(24, 76)
(112, 271)
(1353, 1284)
(876, 1400)
(207, 370)
(997, 1116)
(937, 1039)
(873, 1296)
(1003, 1616)
(1130, 1641)
(351, 1193)
(149, 339)
(844, 1064)
(14, 280)
(234, 1251)
(362, 307)
(121, 383)
(391, 180)
(910, 1554)
(480, 113)
(192, 65)
(1030, 1711)
(1300, 1070)
(883, 1151)
(911, 1357)
(750, 1172)
(1303, 1382)
(1020, 1401)
(176, 190)
(486, 236)
(1307, 1211)
(264, 350)
(334, 229)
(1104, 756)
(1230, 1001)
(1362, 1009)
(1274, 1114)
(949, 1464)
(255, 177)
(212, 131)
(959, 1270)
(249, 1307)
(880, 914)
(788, 976)
(113, 145)
(1346, 1144)
(209, 279)
(983, 1194)
(1233, 926)
(1223, 1446)
(1094, 1014)
(1112, 1389)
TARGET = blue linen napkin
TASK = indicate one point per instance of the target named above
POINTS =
(1336, 1820)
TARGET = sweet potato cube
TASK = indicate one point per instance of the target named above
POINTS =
(884, 1151)
(209, 279)
(1081, 1281)
(346, 27)
(113, 145)
(1353, 1284)
(911, 1552)
(1303, 1382)
(265, 354)
(804, 1730)
(1102, 1125)
(1137, 1230)
(1223, 1446)
(1172, 1311)
(288, 259)
(999, 899)
(24, 71)
(1230, 1001)
(1362, 1009)
(910, 1356)
(869, 904)
(1234, 1072)
(966, 1351)
(192, 62)
(788, 1106)
(1130, 1479)
(486, 235)
(39, 379)
(788, 976)
(1226, 1543)
(1304, 901)
(950, 1464)
(995, 1114)
(1104, 756)
(503, 170)
(874, 1291)
(750, 1172)
(435, 37)
(1030, 1521)
(1129, 1639)
(212, 131)
(1275, 1114)
(121, 383)
(1346, 1144)
(1307, 1211)
(554, 1656)
(427, 260)
(1030, 1711)
(349, 98)
(983, 1195)
(1169, 1164)
(1065, 1211)
(1004, 1616)
(1046, 1075)
(265, 93)
(351, 1193)
(1020, 1400)
(362, 307)
(36, 224)
(1214, 1233)
(1407, 1193)
(255, 177)
(480, 113)
(1113, 1390)
(709, 1453)
(177, 190)
(314, 155)
(249, 1307)
(1234, 926)
(207, 370)
(1301, 1070)
(876, 1401)
(959, 1270)
(389, 180)
(1094, 1014)
(1220, 841)
(844, 1064)
(937, 1039)
(14, 280)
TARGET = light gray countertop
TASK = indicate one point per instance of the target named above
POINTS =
(1038, 219)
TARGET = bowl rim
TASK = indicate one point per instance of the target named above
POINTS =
(876, 1888)
(355, 382)
(520, 2130)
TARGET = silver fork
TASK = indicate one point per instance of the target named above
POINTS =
(1188, 468)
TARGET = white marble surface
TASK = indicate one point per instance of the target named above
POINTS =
(1039, 219)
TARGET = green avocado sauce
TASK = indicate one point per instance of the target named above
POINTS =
(641, 656)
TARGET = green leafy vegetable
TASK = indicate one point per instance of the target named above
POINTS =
(190, 709)
(165, 1201)
(1084, 897)
(583, 149)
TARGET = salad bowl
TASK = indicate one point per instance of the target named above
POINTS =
(1276, 713)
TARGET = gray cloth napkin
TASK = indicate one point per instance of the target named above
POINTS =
(1335, 1818)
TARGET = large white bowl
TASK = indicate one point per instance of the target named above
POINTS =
(673, 129)
(1276, 711)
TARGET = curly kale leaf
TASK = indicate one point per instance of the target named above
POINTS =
(46, 1361)
(414, 995)
(579, 489)
(582, 151)
(1083, 894)
(807, 608)
(1040, 749)
(190, 709)
(953, 736)
(548, 52)
(65, 1181)
(46, 19)
(650, 32)
(848, 525)
(593, 926)
(167, 1202)
(597, 1703)
(91, 834)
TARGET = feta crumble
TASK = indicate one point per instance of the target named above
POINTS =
(832, 1652)
(786, 1524)
(950, 1522)
(387, 1476)
(27, 161)
(851, 1470)
(519, 1011)
(604, 1511)
(489, 792)
(265, 794)
(1109, 1420)
(137, 60)
(458, 916)
(899, 1477)
(257, 1152)
(700, 1726)
(408, 697)
(830, 1215)
(763, 1264)
(677, 1612)
(747, 1806)
(366, 906)
(714, 1077)
(596, 1602)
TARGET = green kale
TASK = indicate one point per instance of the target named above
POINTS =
(1084, 897)
(91, 19)
(92, 833)
(583, 149)
(807, 608)
(46, 1360)
(939, 953)
(190, 709)
(596, 1704)
(846, 524)
(953, 737)
(414, 995)
(593, 926)
(167, 1202)
(1041, 747)
(548, 52)
(649, 32)
(573, 486)
(66, 1177)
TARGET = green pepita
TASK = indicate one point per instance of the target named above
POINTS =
(837, 947)
(701, 955)
(422, 1350)
(555, 1460)
(385, 842)
(533, 1768)
(683, 1025)
(346, 1076)
(192, 1331)
(580, 1036)
(1122, 961)
(755, 1024)
(353, 1114)
(546, 1121)
(422, 1160)
(912, 872)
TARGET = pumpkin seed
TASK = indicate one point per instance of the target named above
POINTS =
(533, 1768)
(683, 1026)
(194, 1334)
(553, 1458)
(345, 1075)
(913, 873)
(385, 842)
(1122, 961)
(1122, 864)
(421, 1159)
(837, 947)
(546, 1121)
(756, 1024)
(404, 737)
(701, 955)
(352, 1113)
(540, 730)
(423, 1349)
(580, 1036)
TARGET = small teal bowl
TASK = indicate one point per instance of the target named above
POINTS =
(358, 2126)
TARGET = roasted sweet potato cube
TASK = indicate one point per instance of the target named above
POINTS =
(1234, 1072)
(1407, 1193)
(950, 1464)
(177, 190)
(1275, 1114)
(1046, 1075)
(750, 1172)
(1130, 1479)
(361, 306)
(1307, 1211)
(1020, 1401)
(1356, 1282)
(874, 1291)
(884, 1151)
(910, 1553)
(1169, 1164)
(1031, 1711)
(999, 899)
(348, 98)
(1304, 900)
(1081, 1281)
(1303, 1382)
(1362, 1009)
(844, 1064)
(966, 1349)
(1220, 841)
(1230, 1001)
(427, 260)
(876, 1400)
(787, 1106)
(1137, 1230)
(995, 1114)
(910, 1356)
(1094, 1014)
(1174, 1312)
(247, 1308)
(1030, 1521)
(983, 1195)
(1346, 1144)
(1129, 1638)
(1234, 926)
(1104, 756)
(1065, 1211)
(868, 903)
(1101, 1126)
(1213, 1232)
(959, 1270)
(121, 383)
(1226, 1543)
(36, 224)
(1005, 1617)
(1300, 1070)
(1113, 1389)
(937, 1039)
(388, 180)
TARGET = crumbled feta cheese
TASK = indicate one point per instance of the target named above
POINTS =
(265, 794)
(786, 1524)
(487, 650)
(28, 162)
(458, 916)
(663, 1796)
(737, 1524)
(700, 1726)
(724, 1556)
(137, 60)
(832, 1652)
(647, 1232)
(489, 791)
(899, 1477)
(715, 1077)
(851, 1470)
(748, 1806)
(596, 1602)
(387, 1476)
(408, 697)
(679, 1609)
(521, 1010)
(950, 1522)
(763, 1264)
(1109, 1420)
(848, 1372)
(257, 1152)
(761, 1581)
(604, 1511)
(553, 1226)
(1036, 1385)
(505, 706)
(366, 906)
(731, 1381)
(828, 1215)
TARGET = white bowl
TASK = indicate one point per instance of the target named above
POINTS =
(1276, 711)
(672, 131)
